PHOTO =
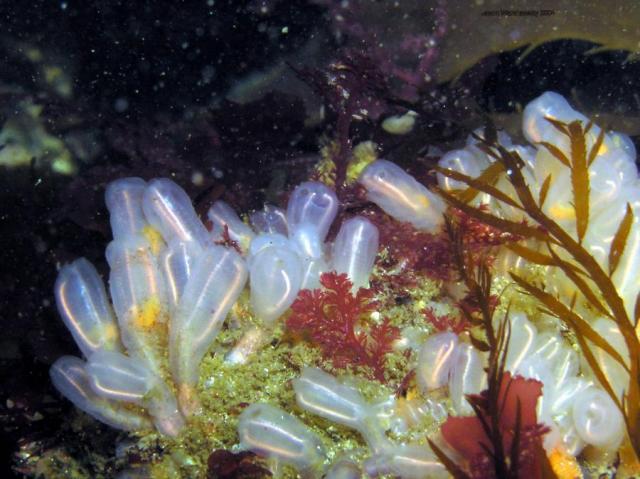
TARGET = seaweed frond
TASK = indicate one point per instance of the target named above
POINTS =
(503, 439)
(567, 254)
(338, 322)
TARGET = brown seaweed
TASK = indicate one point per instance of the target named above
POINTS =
(591, 280)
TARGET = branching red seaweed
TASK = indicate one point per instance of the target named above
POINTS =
(446, 322)
(431, 254)
(337, 321)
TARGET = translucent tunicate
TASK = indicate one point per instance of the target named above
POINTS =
(401, 196)
(312, 204)
(344, 469)
(124, 202)
(612, 369)
(536, 128)
(550, 348)
(265, 240)
(597, 419)
(213, 288)
(222, 215)
(176, 262)
(168, 208)
(467, 377)
(355, 249)
(408, 462)
(139, 296)
(275, 279)
(322, 394)
(460, 161)
(270, 220)
(84, 307)
(435, 361)
(116, 376)
(70, 378)
(276, 434)
(522, 335)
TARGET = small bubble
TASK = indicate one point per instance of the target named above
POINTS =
(121, 105)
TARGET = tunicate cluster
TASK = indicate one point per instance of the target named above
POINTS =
(172, 283)
(278, 435)
(572, 404)
(613, 183)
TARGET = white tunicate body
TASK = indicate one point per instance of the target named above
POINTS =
(309, 246)
(116, 376)
(307, 241)
(69, 376)
(467, 377)
(597, 419)
(536, 128)
(436, 359)
(344, 469)
(276, 434)
(168, 208)
(177, 261)
(522, 335)
(566, 392)
(460, 161)
(314, 205)
(322, 394)
(626, 278)
(604, 225)
(409, 461)
(85, 309)
(401, 196)
(124, 202)
(355, 249)
(222, 215)
(270, 220)
(312, 269)
(265, 240)
(138, 294)
(612, 369)
(275, 277)
(213, 288)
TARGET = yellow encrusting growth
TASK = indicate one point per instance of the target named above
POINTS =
(154, 238)
(147, 316)
(364, 153)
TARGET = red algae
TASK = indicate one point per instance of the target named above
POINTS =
(336, 320)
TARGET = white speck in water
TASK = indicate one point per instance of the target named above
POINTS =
(121, 105)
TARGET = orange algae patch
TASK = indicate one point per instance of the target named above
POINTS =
(564, 465)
